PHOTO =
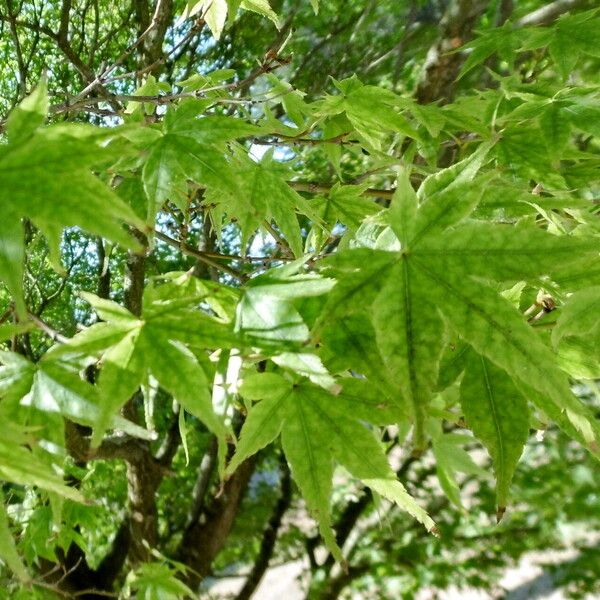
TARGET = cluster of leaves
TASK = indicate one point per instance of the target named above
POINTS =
(404, 306)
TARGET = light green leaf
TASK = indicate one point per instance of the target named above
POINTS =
(110, 311)
(556, 127)
(123, 370)
(346, 205)
(259, 386)
(580, 316)
(267, 319)
(8, 550)
(311, 465)
(58, 390)
(92, 340)
(214, 13)
(495, 329)
(498, 415)
(356, 448)
(407, 326)
(444, 268)
(48, 179)
(447, 197)
(179, 373)
(8, 330)
(261, 7)
(12, 255)
(29, 114)
(316, 427)
(193, 328)
(504, 253)
(21, 466)
(262, 425)
(175, 158)
(212, 129)
(308, 365)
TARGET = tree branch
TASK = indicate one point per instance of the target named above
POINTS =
(269, 538)
(441, 67)
(205, 471)
(203, 541)
(548, 13)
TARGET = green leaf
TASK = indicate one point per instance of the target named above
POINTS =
(28, 115)
(179, 372)
(579, 317)
(213, 12)
(212, 129)
(16, 377)
(315, 428)
(412, 345)
(348, 346)
(110, 311)
(266, 313)
(446, 198)
(483, 47)
(55, 389)
(259, 386)
(92, 340)
(498, 415)
(523, 151)
(308, 365)
(193, 328)
(48, 179)
(556, 128)
(262, 194)
(8, 330)
(8, 550)
(356, 448)
(172, 161)
(495, 329)
(442, 273)
(263, 424)
(346, 205)
(12, 255)
(373, 111)
(311, 465)
(574, 35)
(123, 370)
(261, 7)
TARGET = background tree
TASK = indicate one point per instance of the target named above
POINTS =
(246, 244)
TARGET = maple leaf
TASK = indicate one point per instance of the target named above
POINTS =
(443, 271)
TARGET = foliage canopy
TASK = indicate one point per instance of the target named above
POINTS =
(214, 260)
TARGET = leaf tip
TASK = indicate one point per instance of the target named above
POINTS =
(500, 511)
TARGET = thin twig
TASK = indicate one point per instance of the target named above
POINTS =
(189, 251)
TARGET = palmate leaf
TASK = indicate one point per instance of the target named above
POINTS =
(132, 348)
(443, 273)
(344, 204)
(175, 158)
(371, 110)
(46, 176)
(190, 148)
(316, 429)
(258, 193)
